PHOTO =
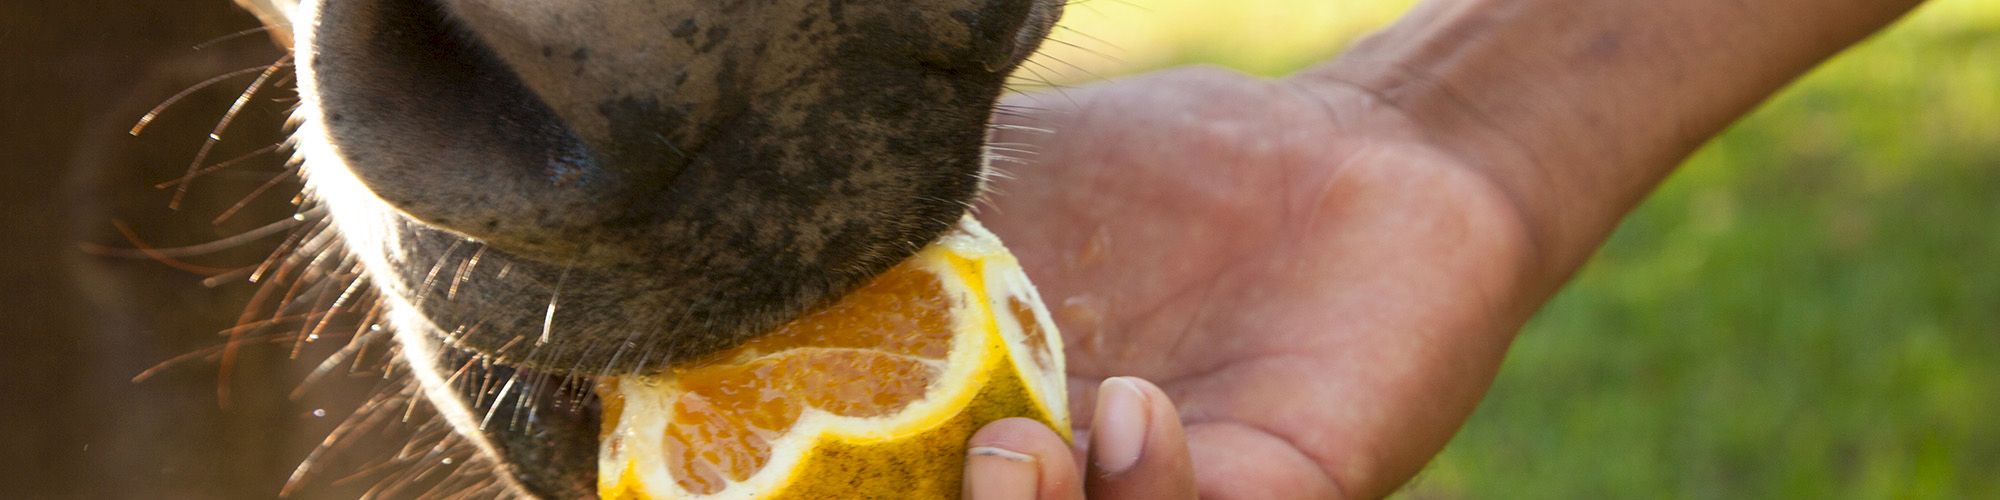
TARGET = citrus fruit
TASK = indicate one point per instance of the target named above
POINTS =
(872, 396)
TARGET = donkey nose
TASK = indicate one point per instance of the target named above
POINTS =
(684, 174)
(577, 119)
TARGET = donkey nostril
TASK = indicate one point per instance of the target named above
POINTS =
(1041, 20)
(683, 175)
(571, 126)
(443, 130)
(1009, 31)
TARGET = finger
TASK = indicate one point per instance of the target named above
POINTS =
(1137, 447)
(1020, 459)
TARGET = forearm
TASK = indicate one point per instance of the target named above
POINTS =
(1581, 107)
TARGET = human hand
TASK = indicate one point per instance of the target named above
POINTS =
(1321, 294)
(1323, 272)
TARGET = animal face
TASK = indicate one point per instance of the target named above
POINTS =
(548, 189)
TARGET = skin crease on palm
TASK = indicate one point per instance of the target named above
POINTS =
(1322, 273)
(1195, 253)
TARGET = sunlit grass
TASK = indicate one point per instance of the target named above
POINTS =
(1810, 308)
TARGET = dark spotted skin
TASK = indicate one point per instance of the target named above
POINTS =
(585, 187)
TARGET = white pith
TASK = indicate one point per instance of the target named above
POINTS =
(637, 443)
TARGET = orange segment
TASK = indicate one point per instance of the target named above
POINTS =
(868, 355)
(890, 375)
(1031, 328)
(903, 311)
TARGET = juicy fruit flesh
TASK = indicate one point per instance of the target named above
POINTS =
(869, 355)
(872, 396)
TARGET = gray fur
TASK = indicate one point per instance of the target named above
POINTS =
(588, 187)
(676, 176)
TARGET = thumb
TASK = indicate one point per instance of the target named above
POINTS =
(1137, 447)
(1020, 459)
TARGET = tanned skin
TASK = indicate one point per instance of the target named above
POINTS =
(1323, 272)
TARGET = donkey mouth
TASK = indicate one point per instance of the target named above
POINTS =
(644, 181)
(549, 192)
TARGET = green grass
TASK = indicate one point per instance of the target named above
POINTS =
(1809, 308)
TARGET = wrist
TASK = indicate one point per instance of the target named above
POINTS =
(1577, 109)
(1411, 106)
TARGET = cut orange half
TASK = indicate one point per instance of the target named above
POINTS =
(871, 397)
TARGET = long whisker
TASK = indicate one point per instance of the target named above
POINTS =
(148, 118)
(1086, 50)
(168, 260)
(232, 36)
(225, 164)
(549, 320)
(254, 194)
(215, 134)
(350, 351)
(1078, 32)
(274, 228)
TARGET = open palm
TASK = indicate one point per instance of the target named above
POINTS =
(1322, 295)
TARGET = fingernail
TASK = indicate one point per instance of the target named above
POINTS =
(1118, 431)
(993, 473)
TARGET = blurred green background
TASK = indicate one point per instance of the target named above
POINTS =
(1809, 308)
